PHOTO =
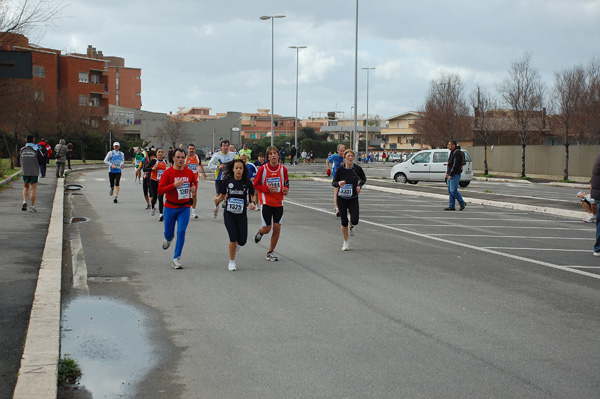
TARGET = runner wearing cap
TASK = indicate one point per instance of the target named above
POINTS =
(115, 160)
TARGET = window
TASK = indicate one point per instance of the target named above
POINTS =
(138, 93)
(422, 157)
(400, 124)
(138, 77)
(95, 78)
(95, 102)
(84, 77)
(440, 156)
(39, 71)
(83, 100)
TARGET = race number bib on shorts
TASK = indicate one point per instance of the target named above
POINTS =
(183, 192)
(275, 182)
(193, 167)
(235, 205)
(346, 191)
(159, 173)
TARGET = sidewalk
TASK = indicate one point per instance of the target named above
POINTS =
(22, 239)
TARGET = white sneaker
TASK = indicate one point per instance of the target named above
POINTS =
(193, 214)
(231, 266)
(237, 247)
(177, 264)
(346, 246)
(32, 209)
(215, 212)
(590, 218)
(596, 253)
(352, 231)
(110, 193)
(166, 244)
(152, 212)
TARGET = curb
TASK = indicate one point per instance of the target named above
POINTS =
(38, 375)
(498, 204)
(9, 178)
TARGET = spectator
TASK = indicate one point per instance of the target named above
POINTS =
(46, 150)
(69, 154)
(61, 151)
(588, 205)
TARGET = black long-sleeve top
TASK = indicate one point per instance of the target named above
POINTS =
(354, 176)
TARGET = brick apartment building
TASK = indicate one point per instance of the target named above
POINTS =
(91, 80)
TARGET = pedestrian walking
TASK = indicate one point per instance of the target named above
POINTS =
(453, 173)
(350, 179)
(595, 194)
(115, 159)
(60, 153)
(177, 184)
(46, 150)
(237, 190)
(273, 185)
(31, 158)
(69, 154)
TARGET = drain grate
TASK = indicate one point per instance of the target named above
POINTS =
(74, 187)
(79, 220)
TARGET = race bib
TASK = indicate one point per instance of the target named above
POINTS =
(159, 173)
(274, 181)
(183, 192)
(235, 205)
(193, 167)
(346, 191)
(137, 162)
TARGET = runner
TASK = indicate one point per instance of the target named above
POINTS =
(193, 163)
(349, 178)
(30, 157)
(252, 171)
(273, 184)
(247, 151)
(177, 183)
(145, 178)
(236, 189)
(217, 163)
(115, 160)
(157, 167)
(137, 159)
(261, 160)
(333, 163)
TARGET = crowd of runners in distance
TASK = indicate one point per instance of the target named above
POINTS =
(171, 180)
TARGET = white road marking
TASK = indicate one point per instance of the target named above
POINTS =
(541, 249)
(460, 244)
(501, 236)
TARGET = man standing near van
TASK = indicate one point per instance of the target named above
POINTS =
(453, 173)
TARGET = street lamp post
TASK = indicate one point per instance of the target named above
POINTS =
(355, 138)
(367, 124)
(296, 121)
(272, 18)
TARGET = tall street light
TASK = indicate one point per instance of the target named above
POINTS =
(368, 69)
(296, 122)
(355, 138)
(272, 18)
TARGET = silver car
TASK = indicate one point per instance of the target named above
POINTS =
(430, 165)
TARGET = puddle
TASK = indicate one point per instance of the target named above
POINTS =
(79, 220)
(109, 340)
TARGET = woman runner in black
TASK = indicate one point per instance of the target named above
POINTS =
(349, 178)
(237, 190)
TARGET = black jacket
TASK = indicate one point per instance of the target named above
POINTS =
(455, 162)
(595, 180)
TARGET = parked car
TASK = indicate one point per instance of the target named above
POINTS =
(430, 165)
(395, 157)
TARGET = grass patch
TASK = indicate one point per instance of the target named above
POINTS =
(68, 371)
(524, 178)
(5, 169)
(487, 191)
(304, 175)
(567, 181)
(488, 175)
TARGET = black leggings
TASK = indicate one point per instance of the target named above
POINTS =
(237, 227)
(348, 204)
(155, 196)
(114, 179)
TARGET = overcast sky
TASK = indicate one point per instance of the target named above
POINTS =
(217, 54)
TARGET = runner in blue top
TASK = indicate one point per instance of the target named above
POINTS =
(115, 160)
(333, 163)
(217, 163)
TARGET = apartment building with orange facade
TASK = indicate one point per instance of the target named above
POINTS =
(89, 80)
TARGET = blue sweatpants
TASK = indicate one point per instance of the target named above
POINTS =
(182, 217)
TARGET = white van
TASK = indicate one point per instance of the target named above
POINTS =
(430, 165)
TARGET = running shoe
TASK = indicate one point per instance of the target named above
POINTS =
(110, 193)
(258, 236)
(231, 266)
(271, 257)
(152, 212)
(352, 230)
(115, 200)
(193, 214)
(596, 253)
(176, 264)
(345, 246)
(32, 209)
(24, 207)
(215, 212)
(160, 219)
(166, 244)
(590, 218)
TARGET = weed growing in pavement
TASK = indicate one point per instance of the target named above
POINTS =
(488, 175)
(567, 181)
(68, 371)
(487, 191)
(524, 178)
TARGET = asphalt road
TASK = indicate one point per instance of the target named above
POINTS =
(481, 303)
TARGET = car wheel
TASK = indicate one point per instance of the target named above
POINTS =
(412, 181)
(400, 177)
(464, 183)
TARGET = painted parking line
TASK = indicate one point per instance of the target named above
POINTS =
(540, 249)
(492, 251)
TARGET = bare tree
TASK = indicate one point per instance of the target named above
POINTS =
(485, 124)
(23, 16)
(172, 131)
(523, 90)
(568, 96)
(445, 114)
(591, 119)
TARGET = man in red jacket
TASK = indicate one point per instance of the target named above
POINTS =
(177, 183)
